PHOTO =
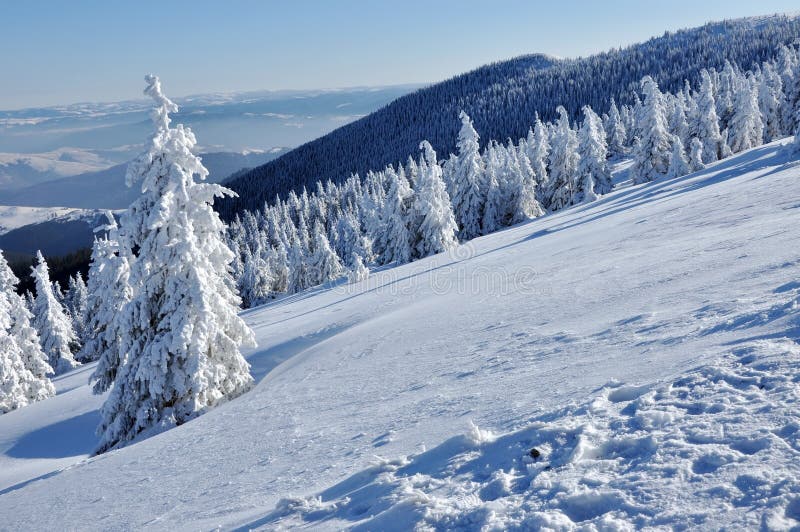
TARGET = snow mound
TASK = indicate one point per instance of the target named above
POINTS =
(717, 447)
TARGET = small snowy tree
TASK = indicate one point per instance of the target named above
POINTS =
(468, 188)
(696, 155)
(13, 374)
(538, 153)
(181, 333)
(51, 321)
(652, 154)
(435, 224)
(678, 165)
(76, 300)
(593, 154)
(358, 271)
(615, 131)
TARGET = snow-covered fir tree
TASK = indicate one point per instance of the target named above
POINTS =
(563, 163)
(323, 264)
(746, 126)
(651, 156)
(678, 164)
(52, 322)
(770, 97)
(538, 153)
(614, 128)
(696, 155)
(181, 333)
(435, 226)
(76, 301)
(468, 188)
(593, 154)
(109, 291)
(391, 236)
(706, 126)
(358, 271)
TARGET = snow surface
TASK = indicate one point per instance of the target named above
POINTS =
(645, 345)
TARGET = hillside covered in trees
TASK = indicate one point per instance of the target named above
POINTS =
(503, 99)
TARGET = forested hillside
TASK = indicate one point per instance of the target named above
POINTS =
(503, 99)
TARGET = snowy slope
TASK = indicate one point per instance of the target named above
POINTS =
(644, 345)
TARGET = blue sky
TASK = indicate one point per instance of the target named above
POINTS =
(56, 52)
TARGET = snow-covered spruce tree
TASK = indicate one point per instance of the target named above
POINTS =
(593, 154)
(538, 153)
(358, 271)
(435, 224)
(676, 118)
(76, 301)
(181, 333)
(706, 121)
(109, 292)
(323, 263)
(52, 322)
(494, 200)
(34, 380)
(615, 131)
(526, 203)
(391, 234)
(678, 165)
(652, 154)
(469, 194)
(746, 127)
(255, 283)
(696, 155)
(563, 163)
(770, 96)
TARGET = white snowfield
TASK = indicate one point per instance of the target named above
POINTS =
(643, 347)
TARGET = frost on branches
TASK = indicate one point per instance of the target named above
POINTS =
(180, 333)
(52, 322)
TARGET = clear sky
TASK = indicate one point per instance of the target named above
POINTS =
(63, 51)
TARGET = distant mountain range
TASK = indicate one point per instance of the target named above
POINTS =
(503, 99)
(106, 189)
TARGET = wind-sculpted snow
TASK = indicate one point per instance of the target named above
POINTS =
(645, 345)
(718, 447)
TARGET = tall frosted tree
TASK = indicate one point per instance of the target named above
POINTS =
(651, 156)
(52, 322)
(563, 163)
(391, 233)
(615, 130)
(323, 263)
(593, 153)
(539, 153)
(746, 128)
(76, 300)
(181, 333)
(109, 291)
(770, 97)
(469, 195)
(435, 226)
(706, 121)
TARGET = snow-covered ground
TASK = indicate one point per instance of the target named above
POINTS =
(645, 346)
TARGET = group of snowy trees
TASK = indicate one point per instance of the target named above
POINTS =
(502, 98)
(159, 314)
(412, 210)
(43, 334)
